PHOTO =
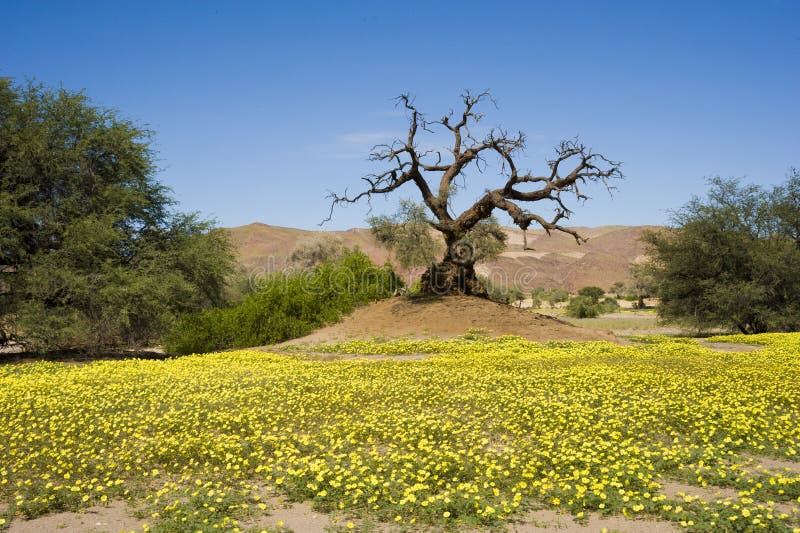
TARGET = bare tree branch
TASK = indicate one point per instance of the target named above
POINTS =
(409, 165)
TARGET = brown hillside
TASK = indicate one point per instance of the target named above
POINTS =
(553, 261)
(446, 317)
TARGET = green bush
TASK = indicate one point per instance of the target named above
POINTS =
(609, 305)
(583, 307)
(286, 306)
(557, 296)
(592, 292)
(501, 293)
(731, 259)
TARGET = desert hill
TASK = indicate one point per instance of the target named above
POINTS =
(554, 261)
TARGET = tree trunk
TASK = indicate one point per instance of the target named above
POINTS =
(448, 277)
(455, 274)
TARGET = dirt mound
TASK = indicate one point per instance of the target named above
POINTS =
(446, 317)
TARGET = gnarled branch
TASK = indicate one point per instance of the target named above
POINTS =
(408, 164)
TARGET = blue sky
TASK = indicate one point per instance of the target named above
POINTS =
(259, 108)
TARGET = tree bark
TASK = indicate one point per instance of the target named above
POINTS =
(448, 277)
(455, 274)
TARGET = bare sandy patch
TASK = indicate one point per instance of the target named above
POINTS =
(525, 254)
(730, 346)
(325, 356)
(113, 518)
(301, 517)
(771, 464)
(546, 520)
(675, 490)
(293, 516)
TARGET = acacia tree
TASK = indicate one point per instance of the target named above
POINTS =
(434, 173)
(731, 259)
(92, 253)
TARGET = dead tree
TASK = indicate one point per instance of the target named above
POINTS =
(434, 173)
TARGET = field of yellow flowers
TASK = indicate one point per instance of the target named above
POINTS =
(476, 433)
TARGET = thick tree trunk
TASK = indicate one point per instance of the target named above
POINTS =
(448, 277)
(455, 274)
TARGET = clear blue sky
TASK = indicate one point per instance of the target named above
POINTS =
(260, 107)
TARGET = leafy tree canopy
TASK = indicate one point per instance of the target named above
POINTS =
(732, 258)
(592, 292)
(92, 253)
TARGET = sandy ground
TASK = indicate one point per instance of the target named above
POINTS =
(730, 346)
(547, 521)
(301, 518)
(448, 317)
(113, 518)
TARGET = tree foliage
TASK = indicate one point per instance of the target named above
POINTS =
(643, 283)
(617, 289)
(407, 233)
(592, 292)
(410, 234)
(732, 259)
(91, 253)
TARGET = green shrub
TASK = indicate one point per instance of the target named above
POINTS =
(609, 305)
(594, 293)
(583, 307)
(557, 295)
(501, 293)
(286, 306)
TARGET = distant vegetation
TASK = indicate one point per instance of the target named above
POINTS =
(542, 295)
(501, 293)
(588, 303)
(286, 305)
(92, 255)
